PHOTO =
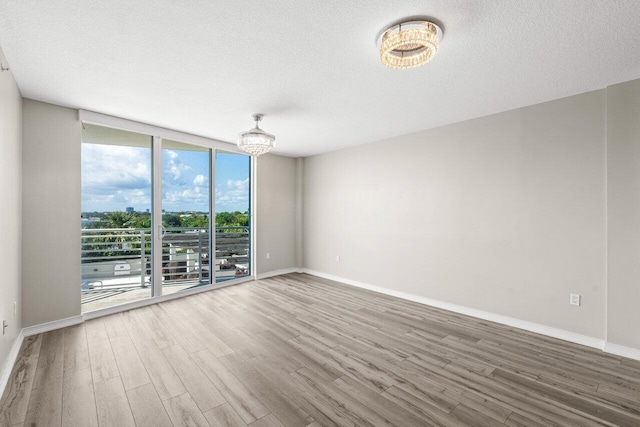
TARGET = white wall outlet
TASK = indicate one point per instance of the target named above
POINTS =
(268, 255)
(15, 308)
(338, 258)
(574, 299)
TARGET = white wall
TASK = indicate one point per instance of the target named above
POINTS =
(276, 199)
(623, 156)
(51, 213)
(11, 196)
(504, 214)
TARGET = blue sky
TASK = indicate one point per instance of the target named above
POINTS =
(115, 177)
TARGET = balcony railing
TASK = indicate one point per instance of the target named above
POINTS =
(118, 260)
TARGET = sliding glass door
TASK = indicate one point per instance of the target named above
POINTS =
(233, 220)
(116, 217)
(186, 213)
(147, 223)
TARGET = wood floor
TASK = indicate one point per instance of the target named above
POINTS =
(297, 350)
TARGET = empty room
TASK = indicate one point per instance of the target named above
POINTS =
(320, 213)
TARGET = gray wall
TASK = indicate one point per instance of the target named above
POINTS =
(504, 214)
(11, 196)
(276, 199)
(623, 194)
(51, 213)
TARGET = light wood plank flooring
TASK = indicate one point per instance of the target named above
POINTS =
(297, 350)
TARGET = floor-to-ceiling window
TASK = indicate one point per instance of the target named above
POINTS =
(116, 217)
(186, 212)
(147, 205)
(233, 219)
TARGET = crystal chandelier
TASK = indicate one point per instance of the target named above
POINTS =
(409, 44)
(256, 141)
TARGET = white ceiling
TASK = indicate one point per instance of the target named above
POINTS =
(203, 66)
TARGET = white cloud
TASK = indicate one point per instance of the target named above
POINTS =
(114, 177)
(116, 166)
(172, 165)
(199, 180)
(196, 197)
(233, 197)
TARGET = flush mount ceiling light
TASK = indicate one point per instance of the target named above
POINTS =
(256, 141)
(409, 44)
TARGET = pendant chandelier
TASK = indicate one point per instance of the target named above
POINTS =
(256, 141)
(409, 44)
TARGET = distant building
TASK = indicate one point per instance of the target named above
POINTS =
(129, 209)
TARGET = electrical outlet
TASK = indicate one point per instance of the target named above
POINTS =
(338, 259)
(574, 299)
(268, 255)
(15, 308)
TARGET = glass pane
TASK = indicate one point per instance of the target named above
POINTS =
(116, 219)
(233, 237)
(186, 204)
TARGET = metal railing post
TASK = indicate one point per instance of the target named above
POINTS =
(199, 256)
(143, 264)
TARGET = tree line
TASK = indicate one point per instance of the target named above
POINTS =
(175, 219)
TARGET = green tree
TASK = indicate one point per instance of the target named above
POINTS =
(232, 219)
(171, 220)
(195, 221)
(120, 219)
(143, 221)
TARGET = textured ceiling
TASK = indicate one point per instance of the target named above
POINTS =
(203, 66)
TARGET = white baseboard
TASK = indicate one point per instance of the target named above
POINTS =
(498, 318)
(278, 273)
(52, 326)
(11, 361)
(621, 350)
